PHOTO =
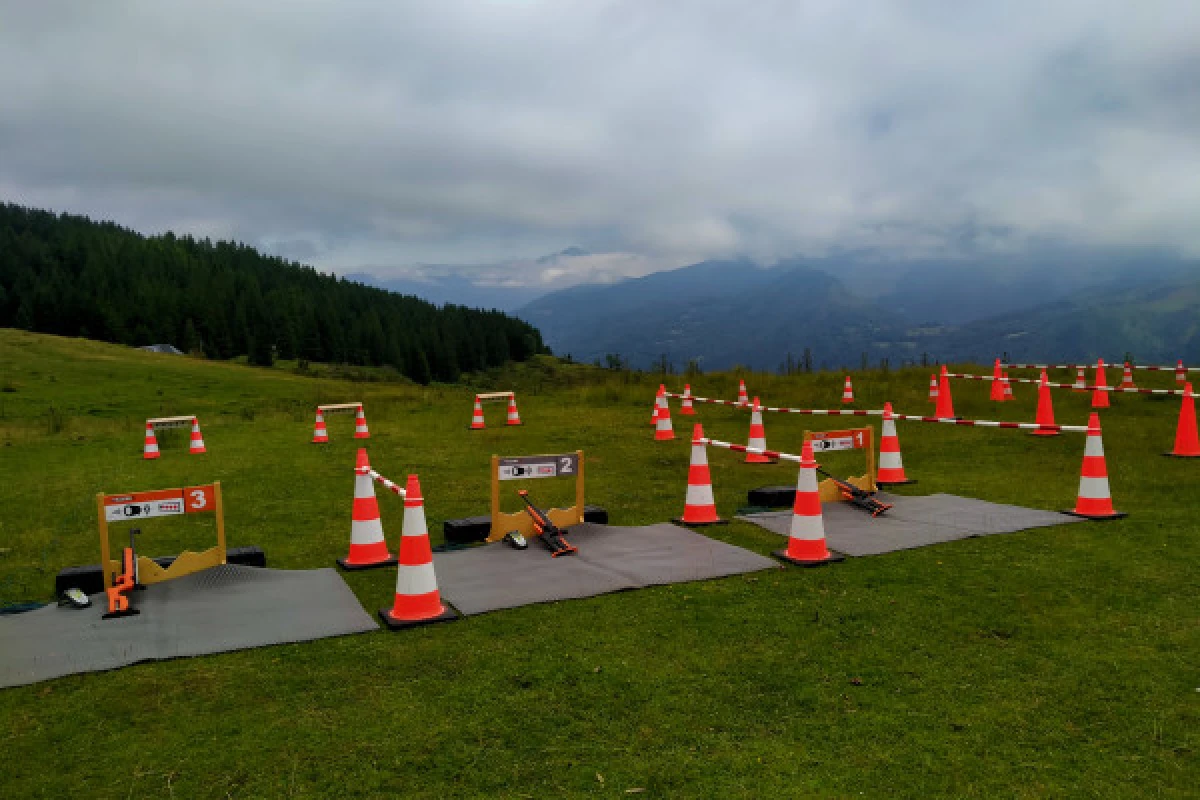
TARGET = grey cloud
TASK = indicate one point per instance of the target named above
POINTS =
(652, 133)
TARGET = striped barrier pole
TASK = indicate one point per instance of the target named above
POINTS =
(818, 412)
(757, 451)
(1148, 367)
(1135, 390)
(382, 481)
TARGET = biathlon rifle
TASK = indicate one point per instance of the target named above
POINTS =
(546, 531)
(856, 496)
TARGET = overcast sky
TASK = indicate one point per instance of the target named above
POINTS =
(375, 136)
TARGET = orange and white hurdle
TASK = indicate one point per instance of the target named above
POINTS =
(321, 433)
(477, 421)
(150, 449)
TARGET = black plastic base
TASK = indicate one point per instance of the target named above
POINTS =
(475, 429)
(1098, 518)
(90, 579)
(476, 529)
(772, 496)
(1049, 433)
(894, 483)
(129, 612)
(834, 558)
(395, 624)
(680, 521)
(1179, 455)
(341, 562)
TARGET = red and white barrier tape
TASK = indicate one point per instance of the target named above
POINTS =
(987, 423)
(816, 412)
(1114, 364)
(741, 448)
(387, 484)
(1070, 385)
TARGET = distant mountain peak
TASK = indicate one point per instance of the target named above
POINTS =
(573, 251)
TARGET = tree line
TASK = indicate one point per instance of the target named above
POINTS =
(70, 275)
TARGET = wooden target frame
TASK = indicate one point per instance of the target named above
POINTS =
(535, 467)
(859, 439)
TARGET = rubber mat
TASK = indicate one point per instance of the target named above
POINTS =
(610, 558)
(225, 608)
(914, 522)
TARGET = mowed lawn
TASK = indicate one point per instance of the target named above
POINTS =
(1055, 662)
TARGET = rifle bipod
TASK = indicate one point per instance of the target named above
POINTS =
(546, 531)
(856, 496)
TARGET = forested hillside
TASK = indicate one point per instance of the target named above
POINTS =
(72, 276)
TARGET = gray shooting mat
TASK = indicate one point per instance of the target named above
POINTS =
(914, 522)
(610, 558)
(229, 607)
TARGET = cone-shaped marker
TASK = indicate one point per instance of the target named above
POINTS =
(477, 423)
(891, 467)
(320, 434)
(699, 508)
(758, 437)
(933, 388)
(1180, 373)
(1187, 442)
(513, 417)
(945, 403)
(418, 601)
(1100, 394)
(847, 392)
(662, 428)
(150, 447)
(1008, 392)
(1045, 408)
(1080, 385)
(806, 536)
(360, 425)
(1094, 500)
(197, 445)
(367, 547)
(685, 408)
(997, 393)
(743, 397)
(1127, 377)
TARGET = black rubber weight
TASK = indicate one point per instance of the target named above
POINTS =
(90, 579)
(772, 496)
(476, 529)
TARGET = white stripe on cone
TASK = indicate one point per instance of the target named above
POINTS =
(1094, 488)
(699, 495)
(368, 531)
(418, 579)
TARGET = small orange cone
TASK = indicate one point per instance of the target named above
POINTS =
(477, 416)
(513, 417)
(1180, 373)
(654, 413)
(891, 467)
(360, 425)
(1100, 394)
(150, 448)
(945, 403)
(662, 428)
(997, 383)
(685, 408)
(806, 537)
(1008, 392)
(367, 547)
(933, 388)
(758, 437)
(197, 445)
(1094, 500)
(1187, 442)
(1080, 385)
(1127, 377)
(320, 434)
(847, 392)
(1045, 408)
(418, 601)
(699, 508)
(743, 397)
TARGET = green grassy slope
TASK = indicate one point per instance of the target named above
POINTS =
(1054, 662)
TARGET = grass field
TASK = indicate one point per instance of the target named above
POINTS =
(1048, 663)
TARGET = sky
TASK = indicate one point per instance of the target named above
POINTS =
(386, 137)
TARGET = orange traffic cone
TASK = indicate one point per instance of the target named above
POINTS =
(418, 601)
(743, 397)
(933, 388)
(1187, 443)
(806, 537)
(367, 547)
(360, 425)
(1180, 373)
(1100, 394)
(150, 448)
(1080, 384)
(698, 506)
(685, 408)
(1008, 392)
(1127, 377)
(997, 393)
(1045, 408)
(945, 403)
(847, 392)
(662, 428)
(758, 437)
(477, 416)
(891, 467)
(654, 413)
(197, 445)
(513, 417)
(320, 435)
(1094, 501)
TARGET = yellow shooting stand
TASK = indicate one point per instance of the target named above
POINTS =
(863, 439)
(503, 522)
(165, 502)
